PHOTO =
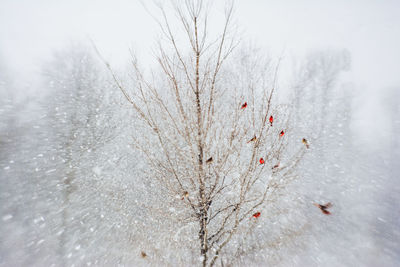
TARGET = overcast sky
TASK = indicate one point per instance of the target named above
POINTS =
(370, 29)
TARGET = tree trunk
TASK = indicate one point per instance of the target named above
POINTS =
(203, 236)
(203, 216)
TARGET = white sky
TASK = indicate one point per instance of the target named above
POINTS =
(370, 29)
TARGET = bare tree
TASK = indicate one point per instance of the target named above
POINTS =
(83, 120)
(209, 128)
(323, 108)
